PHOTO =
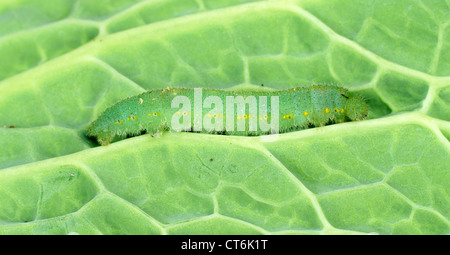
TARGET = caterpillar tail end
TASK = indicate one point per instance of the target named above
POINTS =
(356, 108)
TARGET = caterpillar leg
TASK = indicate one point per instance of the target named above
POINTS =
(340, 120)
(105, 138)
(157, 133)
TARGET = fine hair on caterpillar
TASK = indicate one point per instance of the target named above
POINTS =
(228, 112)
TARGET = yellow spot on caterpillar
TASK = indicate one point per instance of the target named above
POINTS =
(128, 118)
(265, 117)
(116, 122)
(186, 113)
(150, 114)
(238, 117)
(295, 89)
(156, 113)
(154, 98)
(120, 122)
(209, 115)
(326, 110)
(306, 113)
(216, 115)
(260, 118)
(141, 100)
(284, 117)
(178, 112)
(336, 109)
(134, 117)
(342, 110)
(246, 116)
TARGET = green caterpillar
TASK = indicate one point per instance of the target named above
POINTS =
(234, 112)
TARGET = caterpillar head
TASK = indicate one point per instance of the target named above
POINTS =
(356, 107)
